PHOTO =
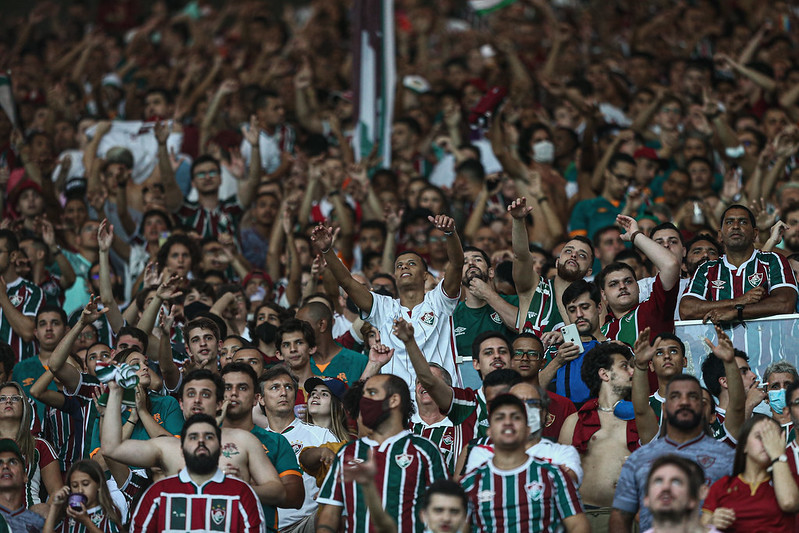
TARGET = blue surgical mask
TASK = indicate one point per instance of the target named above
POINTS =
(776, 399)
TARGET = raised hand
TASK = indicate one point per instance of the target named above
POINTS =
(628, 224)
(724, 350)
(403, 330)
(48, 233)
(443, 223)
(169, 287)
(643, 350)
(380, 354)
(253, 132)
(777, 231)
(151, 274)
(161, 130)
(167, 319)
(322, 237)
(393, 219)
(105, 235)
(92, 312)
(519, 209)
(359, 471)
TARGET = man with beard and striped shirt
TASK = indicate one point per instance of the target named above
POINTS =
(514, 492)
(540, 299)
(744, 282)
(626, 317)
(406, 463)
(19, 300)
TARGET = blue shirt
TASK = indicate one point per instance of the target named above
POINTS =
(568, 381)
(713, 456)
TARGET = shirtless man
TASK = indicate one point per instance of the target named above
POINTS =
(603, 439)
(242, 453)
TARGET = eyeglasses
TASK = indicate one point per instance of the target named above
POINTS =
(532, 355)
(436, 239)
(209, 174)
(13, 399)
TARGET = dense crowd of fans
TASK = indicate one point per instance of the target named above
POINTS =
(478, 334)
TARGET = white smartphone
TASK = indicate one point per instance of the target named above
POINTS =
(570, 334)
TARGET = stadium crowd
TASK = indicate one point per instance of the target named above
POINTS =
(217, 314)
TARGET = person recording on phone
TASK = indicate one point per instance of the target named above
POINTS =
(583, 303)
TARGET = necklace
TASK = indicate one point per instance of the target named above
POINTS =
(605, 409)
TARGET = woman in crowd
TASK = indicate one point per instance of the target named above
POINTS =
(324, 405)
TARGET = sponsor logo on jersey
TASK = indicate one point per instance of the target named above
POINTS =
(428, 318)
(755, 279)
(718, 283)
(218, 515)
(534, 490)
(460, 330)
(403, 460)
(496, 318)
(485, 496)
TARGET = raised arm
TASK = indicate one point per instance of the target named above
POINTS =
(435, 386)
(645, 419)
(172, 192)
(169, 370)
(668, 266)
(453, 272)
(48, 397)
(141, 453)
(67, 272)
(21, 324)
(322, 238)
(524, 276)
(736, 408)
(248, 186)
(68, 374)
(105, 235)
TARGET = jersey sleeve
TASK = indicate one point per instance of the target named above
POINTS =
(578, 222)
(381, 310)
(144, 519)
(626, 497)
(711, 503)
(658, 311)
(284, 459)
(34, 301)
(252, 516)
(780, 273)
(46, 453)
(171, 415)
(464, 404)
(442, 301)
(698, 287)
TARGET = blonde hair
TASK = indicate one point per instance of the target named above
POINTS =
(338, 419)
(24, 437)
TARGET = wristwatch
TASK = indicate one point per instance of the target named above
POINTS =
(781, 459)
(740, 309)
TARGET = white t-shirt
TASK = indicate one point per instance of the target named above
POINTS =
(552, 452)
(299, 434)
(270, 152)
(432, 327)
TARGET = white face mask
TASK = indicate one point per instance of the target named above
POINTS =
(533, 417)
(543, 152)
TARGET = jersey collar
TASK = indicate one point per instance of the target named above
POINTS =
(735, 269)
(184, 476)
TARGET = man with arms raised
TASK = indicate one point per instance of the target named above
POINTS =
(620, 289)
(684, 435)
(430, 313)
(540, 300)
(201, 497)
(201, 392)
(744, 282)
(516, 492)
(601, 430)
(408, 463)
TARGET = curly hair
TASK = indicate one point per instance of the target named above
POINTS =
(601, 357)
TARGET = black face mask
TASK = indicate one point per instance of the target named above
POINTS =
(266, 333)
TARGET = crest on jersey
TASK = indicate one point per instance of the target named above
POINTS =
(297, 447)
(97, 518)
(218, 515)
(485, 496)
(718, 284)
(550, 419)
(403, 460)
(755, 279)
(428, 318)
(534, 490)
(15, 300)
(447, 439)
(496, 318)
(705, 461)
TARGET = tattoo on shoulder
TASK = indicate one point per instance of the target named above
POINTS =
(229, 449)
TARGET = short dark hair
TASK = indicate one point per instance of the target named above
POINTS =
(482, 337)
(667, 335)
(178, 238)
(600, 357)
(277, 371)
(479, 251)
(200, 374)
(712, 370)
(294, 325)
(585, 240)
(205, 158)
(601, 231)
(412, 124)
(666, 226)
(375, 224)
(578, 288)
(692, 470)
(12, 243)
(619, 157)
(527, 335)
(445, 487)
(703, 237)
(610, 269)
(682, 377)
(163, 91)
(628, 253)
(506, 399)
(200, 418)
(501, 376)
(794, 386)
(472, 169)
(397, 385)
(49, 308)
(749, 213)
(7, 358)
(244, 368)
(417, 254)
(137, 334)
(201, 322)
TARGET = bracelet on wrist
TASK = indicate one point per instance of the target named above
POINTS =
(325, 251)
(634, 235)
(448, 234)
